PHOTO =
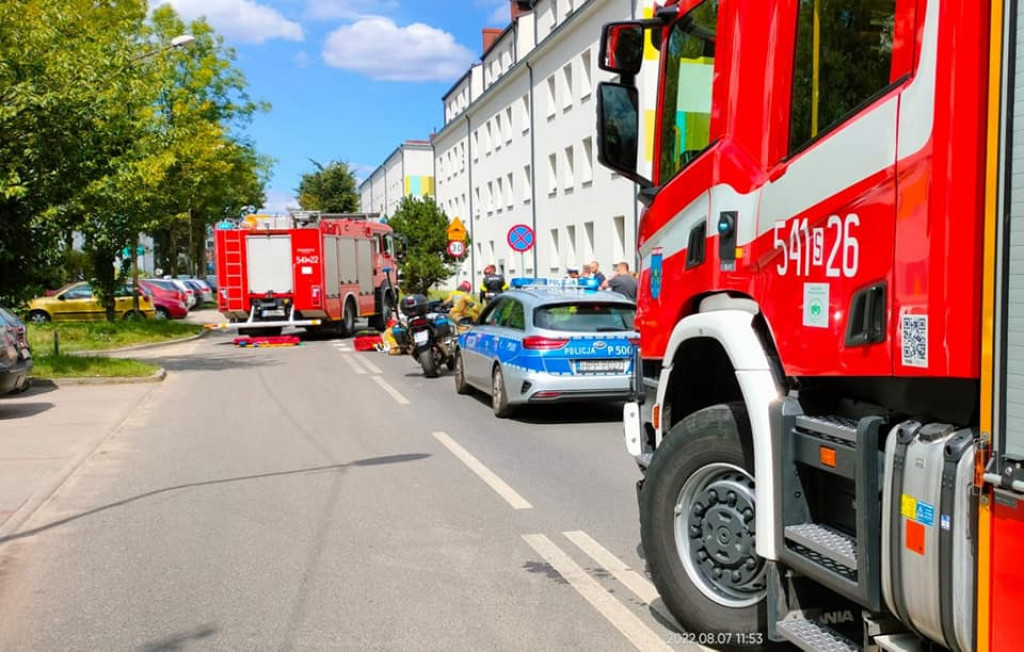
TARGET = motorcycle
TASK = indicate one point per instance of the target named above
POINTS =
(428, 334)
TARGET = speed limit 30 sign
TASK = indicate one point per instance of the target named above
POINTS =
(456, 248)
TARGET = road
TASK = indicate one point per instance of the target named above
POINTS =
(313, 497)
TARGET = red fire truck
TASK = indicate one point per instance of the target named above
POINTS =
(829, 400)
(317, 271)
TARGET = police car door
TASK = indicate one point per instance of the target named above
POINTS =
(482, 344)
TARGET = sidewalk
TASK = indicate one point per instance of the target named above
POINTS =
(47, 433)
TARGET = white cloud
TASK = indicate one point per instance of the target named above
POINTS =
(243, 21)
(334, 9)
(279, 201)
(500, 16)
(378, 48)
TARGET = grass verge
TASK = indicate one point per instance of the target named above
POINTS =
(103, 336)
(73, 366)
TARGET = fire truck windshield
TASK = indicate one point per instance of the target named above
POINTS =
(686, 96)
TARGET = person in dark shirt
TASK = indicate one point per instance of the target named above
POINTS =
(623, 282)
(493, 284)
(595, 272)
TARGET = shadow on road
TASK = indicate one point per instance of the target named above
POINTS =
(180, 640)
(371, 461)
(22, 410)
(568, 413)
(218, 360)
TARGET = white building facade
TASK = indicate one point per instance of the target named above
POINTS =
(519, 145)
(409, 171)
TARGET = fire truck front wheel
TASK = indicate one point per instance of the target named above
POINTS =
(697, 524)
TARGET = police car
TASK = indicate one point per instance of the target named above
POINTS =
(549, 341)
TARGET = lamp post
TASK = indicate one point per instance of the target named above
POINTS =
(181, 41)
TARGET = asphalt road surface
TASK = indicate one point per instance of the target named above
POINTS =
(314, 497)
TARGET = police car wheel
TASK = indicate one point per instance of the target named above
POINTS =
(499, 397)
(697, 524)
(461, 386)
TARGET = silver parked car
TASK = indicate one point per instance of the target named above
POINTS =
(549, 344)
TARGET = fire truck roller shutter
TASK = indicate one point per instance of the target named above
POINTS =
(269, 263)
(347, 257)
(331, 267)
(365, 262)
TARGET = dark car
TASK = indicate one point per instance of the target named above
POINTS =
(15, 355)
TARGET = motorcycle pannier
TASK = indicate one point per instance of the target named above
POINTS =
(928, 537)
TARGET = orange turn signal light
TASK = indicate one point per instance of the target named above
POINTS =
(827, 456)
(656, 417)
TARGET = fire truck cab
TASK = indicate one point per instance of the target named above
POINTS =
(310, 270)
(830, 315)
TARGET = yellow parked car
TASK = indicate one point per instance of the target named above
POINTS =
(76, 302)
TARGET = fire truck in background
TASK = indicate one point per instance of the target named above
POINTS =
(829, 399)
(313, 270)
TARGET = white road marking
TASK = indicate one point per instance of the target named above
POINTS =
(395, 394)
(484, 473)
(369, 365)
(355, 365)
(626, 576)
(624, 620)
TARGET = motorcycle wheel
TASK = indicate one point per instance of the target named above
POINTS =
(428, 364)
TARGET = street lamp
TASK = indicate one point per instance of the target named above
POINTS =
(180, 41)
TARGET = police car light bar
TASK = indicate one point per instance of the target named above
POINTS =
(586, 284)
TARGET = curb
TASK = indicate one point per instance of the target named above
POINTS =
(142, 347)
(114, 380)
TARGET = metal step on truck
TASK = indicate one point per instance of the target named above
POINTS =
(828, 406)
(316, 271)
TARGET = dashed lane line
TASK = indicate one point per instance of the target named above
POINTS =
(626, 576)
(395, 394)
(369, 365)
(484, 473)
(355, 365)
(620, 617)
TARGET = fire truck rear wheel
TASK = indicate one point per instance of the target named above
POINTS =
(348, 324)
(387, 304)
(697, 524)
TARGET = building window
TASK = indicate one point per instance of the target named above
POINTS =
(498, 129)
(586, 79)
(568, 181)
(490, 197)
(499, 199)
(619, 242)
(508, 125)
(525, 104)
(510, 196)
(567, 86)
(477, 206)
(852, 63)
(554, 261)
(476, 144)
(527, 184)
(570, 247)
(552, 174)
(488, 139)
(587, 162)
(552, 110)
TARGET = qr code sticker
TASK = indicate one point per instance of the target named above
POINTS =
(915, 340)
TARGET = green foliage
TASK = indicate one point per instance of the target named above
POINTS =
(331, 189)
(424, 228)
(103, 336)
(73, 366)
(110, 133)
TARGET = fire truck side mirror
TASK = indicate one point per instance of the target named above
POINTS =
(622, 48)
(618, 131)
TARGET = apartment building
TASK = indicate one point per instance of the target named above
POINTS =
(409, 170)
(519, 143)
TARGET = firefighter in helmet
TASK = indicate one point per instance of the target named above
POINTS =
(493, 284)
(463, 303)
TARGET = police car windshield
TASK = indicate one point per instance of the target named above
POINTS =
(585, 317)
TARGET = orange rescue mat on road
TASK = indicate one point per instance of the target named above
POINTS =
(267, 341)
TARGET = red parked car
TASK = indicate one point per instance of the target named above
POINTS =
(169, 304)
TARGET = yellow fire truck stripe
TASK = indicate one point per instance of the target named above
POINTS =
(988, 311)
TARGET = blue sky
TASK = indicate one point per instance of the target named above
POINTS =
(348, 80)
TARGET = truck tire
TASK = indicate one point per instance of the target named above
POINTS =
(381, 319)
(428, 364)
(703, 561)
(348, 320)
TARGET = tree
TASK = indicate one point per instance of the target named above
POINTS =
(66, 80)
(424, 228)
(331, 189)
